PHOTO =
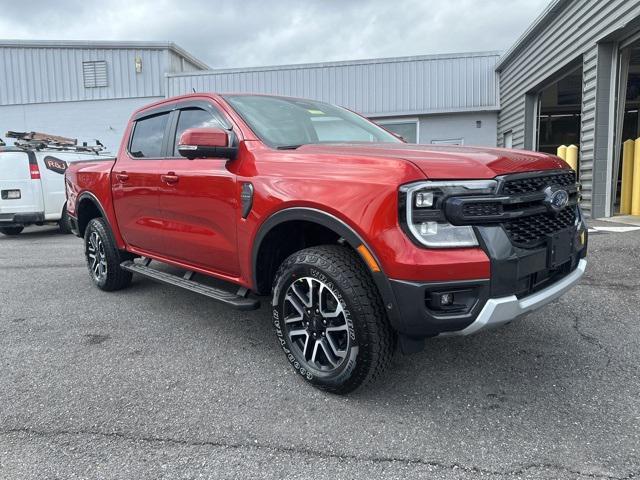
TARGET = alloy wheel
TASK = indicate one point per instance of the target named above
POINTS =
(316, 324)
(97, 257)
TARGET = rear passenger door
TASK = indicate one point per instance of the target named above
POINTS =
(199, 199)
(136, 183)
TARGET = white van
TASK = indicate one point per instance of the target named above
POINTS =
(32, 189)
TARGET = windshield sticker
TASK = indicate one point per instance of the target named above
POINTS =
(55, 164)
(316, 112)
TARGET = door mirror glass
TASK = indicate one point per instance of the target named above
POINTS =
(206, 143)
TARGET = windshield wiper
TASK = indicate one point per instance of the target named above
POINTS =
(288, 147)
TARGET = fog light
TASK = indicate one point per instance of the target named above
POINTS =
(429, 228)
(446, 299)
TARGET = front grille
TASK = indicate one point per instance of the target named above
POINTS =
(532, 230)
(482, 209)
(532, 184)
(521, 206)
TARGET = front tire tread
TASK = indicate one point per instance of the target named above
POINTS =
(376, 338)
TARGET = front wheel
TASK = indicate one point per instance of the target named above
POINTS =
(330, 320)
(11, 230)
(103, 258)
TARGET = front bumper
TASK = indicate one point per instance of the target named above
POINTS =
(20, 219)
(521, 280)
(498, 311)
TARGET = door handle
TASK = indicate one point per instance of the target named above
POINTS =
(122, 177)
(170, 178)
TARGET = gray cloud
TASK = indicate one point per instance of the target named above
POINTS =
(253, 32)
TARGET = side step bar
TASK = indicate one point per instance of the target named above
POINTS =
(238, 300)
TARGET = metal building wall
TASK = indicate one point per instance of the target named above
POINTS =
(42, 75)
(44, 72)
(569, 32)
(179, 64)
(380, 87)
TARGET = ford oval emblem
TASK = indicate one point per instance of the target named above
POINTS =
(556, 200)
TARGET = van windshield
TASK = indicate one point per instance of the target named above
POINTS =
(290, 122)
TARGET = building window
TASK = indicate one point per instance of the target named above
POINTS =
(406, 128)
(94, 74)
(448, 141)
(508, 139)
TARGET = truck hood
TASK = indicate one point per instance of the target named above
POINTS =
(446, 162)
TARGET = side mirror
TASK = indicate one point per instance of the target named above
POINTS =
(206, 143)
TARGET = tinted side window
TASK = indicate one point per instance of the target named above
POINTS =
(193, 118)
(148, 135)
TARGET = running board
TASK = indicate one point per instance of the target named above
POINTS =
(238, 300)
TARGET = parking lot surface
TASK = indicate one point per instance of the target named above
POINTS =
(156, 382)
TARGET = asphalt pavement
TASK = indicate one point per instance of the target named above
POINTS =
(156, 382)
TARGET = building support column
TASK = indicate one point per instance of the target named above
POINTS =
(604, 130)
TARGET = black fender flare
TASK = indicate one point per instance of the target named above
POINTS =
(340, 228)
(93, 199)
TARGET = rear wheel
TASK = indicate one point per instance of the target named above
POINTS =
(11, 230)
(330, 320)
(103, 258)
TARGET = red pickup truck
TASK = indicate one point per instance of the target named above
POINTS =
(363, 241)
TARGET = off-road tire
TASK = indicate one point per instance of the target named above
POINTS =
(115, 277)
(373, 341)
(11, 231)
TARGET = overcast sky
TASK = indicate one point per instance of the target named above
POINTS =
(245, 33)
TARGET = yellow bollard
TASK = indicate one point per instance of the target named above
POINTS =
(562, 152)
(627, 177)
(572, 157)
(635, 195)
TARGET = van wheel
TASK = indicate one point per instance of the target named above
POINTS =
(11, 230)
(103, 258)
(64, 224)
(330, 320)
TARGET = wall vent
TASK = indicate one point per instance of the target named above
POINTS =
(94, 74)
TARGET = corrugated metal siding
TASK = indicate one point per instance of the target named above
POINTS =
(570, 35)
(587, 127)
(51, 74)
(178, 64)
(384, 87)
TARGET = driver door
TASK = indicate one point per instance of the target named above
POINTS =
(197, 199)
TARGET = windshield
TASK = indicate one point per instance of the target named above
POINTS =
(290, 122)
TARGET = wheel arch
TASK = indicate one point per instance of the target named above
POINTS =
(88, 207)
(332, 224)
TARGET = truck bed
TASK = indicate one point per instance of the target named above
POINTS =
(91, 177)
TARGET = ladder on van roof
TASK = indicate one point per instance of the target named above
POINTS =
(39, 141)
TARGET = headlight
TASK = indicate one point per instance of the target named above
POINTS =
(422, 212)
